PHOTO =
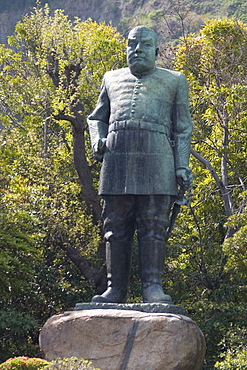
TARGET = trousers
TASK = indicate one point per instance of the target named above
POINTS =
(122, 215)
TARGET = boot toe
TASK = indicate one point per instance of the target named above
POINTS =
(111, 295)
(155, 294)
(99, 298)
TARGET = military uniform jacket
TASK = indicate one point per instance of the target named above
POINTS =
(147, 124)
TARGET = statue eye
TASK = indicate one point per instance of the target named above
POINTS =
(132, 44)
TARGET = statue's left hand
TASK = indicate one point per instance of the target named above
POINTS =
(184, 177)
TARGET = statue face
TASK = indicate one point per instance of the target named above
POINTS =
(141, 50)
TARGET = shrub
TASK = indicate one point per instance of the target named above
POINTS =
(24, 363)
(233, 362)
(72, 363)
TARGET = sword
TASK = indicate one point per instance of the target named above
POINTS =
(181, 200)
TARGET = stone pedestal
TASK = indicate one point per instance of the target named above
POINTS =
(143, 307)
(125, 339)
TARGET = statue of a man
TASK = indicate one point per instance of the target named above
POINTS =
(141, 129)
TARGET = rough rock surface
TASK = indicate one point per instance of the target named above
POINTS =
(125, 340)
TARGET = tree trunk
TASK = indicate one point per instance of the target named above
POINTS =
(89, 193)
(85, 176)
(226, 196)
(96, 276)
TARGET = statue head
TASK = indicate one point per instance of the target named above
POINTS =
(142, 50)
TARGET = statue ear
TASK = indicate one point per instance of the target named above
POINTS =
(157, 52)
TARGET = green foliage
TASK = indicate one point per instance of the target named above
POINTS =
(129, 13)
(215, 65)
(233, 346)
(235, 249)
(27, 363)
(206, 257)
(70, 364)
(235, 361)
(50, 257)
(38, 278)
(16, 331)
(50, 78)
(17, 321)
(72, 56)
(21, 363)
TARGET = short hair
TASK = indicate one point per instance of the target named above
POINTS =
(147, 29)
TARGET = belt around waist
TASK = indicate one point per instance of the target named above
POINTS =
(138, 125)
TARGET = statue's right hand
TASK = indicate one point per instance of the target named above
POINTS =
(99, 149)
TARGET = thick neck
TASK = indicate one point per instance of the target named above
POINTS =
(142, 74)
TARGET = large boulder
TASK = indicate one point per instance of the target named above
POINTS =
(125, 340)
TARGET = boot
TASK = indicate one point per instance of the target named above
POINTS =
(111, 295)
(151, 267)
(153, 293)
(118, 224)
(118, 270)
(152, 221)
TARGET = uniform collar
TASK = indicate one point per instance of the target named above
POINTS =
(144, 73)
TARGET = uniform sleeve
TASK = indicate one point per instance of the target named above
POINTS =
(98, 120)
(181, 124)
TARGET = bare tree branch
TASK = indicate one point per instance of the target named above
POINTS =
(224, 190)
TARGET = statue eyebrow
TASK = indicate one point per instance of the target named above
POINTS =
(141, 39)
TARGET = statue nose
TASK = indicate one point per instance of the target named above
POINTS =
(138, 47)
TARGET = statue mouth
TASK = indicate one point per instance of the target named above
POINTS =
(138, 58)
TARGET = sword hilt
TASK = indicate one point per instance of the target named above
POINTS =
(181, 199)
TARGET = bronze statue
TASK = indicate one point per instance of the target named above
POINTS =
(141, 129)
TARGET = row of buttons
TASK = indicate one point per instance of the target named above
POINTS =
(135, 92)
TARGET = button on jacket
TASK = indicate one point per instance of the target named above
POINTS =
(147, 124)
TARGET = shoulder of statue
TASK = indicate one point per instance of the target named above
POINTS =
(116, 76)
(169, 72)
(117, 72)
(176, 77)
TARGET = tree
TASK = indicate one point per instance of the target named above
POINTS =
(50, 212)
(215, 64)
(51, 79)
(206, 254)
